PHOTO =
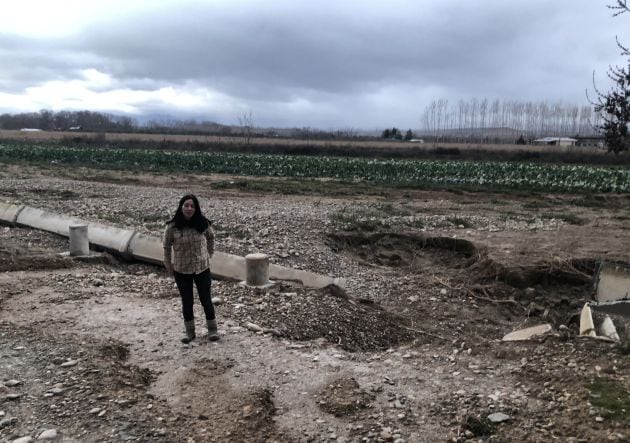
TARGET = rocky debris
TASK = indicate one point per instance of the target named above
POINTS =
(95, 379)
(307, 314)
(528, 333)
(498, 417)
(48, 434)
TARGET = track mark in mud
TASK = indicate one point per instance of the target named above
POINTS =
(343, 396)
(14, 258)
(227, 413)
(58, 194)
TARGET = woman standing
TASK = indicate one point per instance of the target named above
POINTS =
(188, 246)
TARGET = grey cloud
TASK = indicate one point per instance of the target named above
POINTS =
(331, 55)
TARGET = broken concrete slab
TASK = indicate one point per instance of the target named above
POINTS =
(528, 333)
(587, 327)
(607, 329)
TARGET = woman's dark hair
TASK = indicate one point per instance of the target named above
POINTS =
(198, 221)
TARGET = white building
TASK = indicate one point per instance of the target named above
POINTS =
(555, 141)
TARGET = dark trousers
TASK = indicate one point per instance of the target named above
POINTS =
(185, 286)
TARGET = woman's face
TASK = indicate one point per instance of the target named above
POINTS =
(188, 209)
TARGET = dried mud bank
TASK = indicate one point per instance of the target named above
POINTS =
(409, 352)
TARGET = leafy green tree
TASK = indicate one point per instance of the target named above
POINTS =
(408, 135)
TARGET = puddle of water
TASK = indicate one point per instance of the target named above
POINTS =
(612, 283)
(617, 307)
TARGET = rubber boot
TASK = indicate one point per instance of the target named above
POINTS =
(190, 331)
(213, 333)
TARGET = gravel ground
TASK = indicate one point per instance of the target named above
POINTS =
(408, 351)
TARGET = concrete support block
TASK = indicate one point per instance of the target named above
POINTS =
(257, 269)
(79, 243)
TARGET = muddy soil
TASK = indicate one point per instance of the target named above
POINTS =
(408, 351)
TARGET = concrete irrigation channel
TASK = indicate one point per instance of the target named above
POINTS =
(146, 248)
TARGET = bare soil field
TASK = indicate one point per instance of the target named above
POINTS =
(394, 145)
(409, 350)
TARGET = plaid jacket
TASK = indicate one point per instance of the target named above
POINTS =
(187, 250)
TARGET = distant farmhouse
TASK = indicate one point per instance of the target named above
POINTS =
(555, 141)
(597, 142)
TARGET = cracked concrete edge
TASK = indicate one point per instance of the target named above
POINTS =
(9, 213)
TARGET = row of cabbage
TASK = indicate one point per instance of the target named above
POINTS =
(388, 172)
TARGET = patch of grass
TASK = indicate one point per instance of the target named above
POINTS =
(479, 426)
(590, 201)
(153, 218)
(359, 219)
(223, 231)
(497, 202)
(113, 218)
(537, 204)
(624, 347)
(155, 226)
(459, 221)
(416, 223)
(275, 187)
(390, 210)
(299, 187)
(455, 191)
(509, 215)
(611, 398)
(572, 219)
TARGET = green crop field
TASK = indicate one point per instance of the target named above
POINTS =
(411, 173)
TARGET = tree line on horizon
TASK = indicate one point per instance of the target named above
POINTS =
(495, 121)
(92, 121)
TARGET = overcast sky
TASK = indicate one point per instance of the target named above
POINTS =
(296, 63)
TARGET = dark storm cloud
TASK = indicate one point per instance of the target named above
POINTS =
(345, 51)
(318, 59)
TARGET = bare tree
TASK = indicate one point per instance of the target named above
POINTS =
(620, 7)
(246, 122)
(483, 109)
